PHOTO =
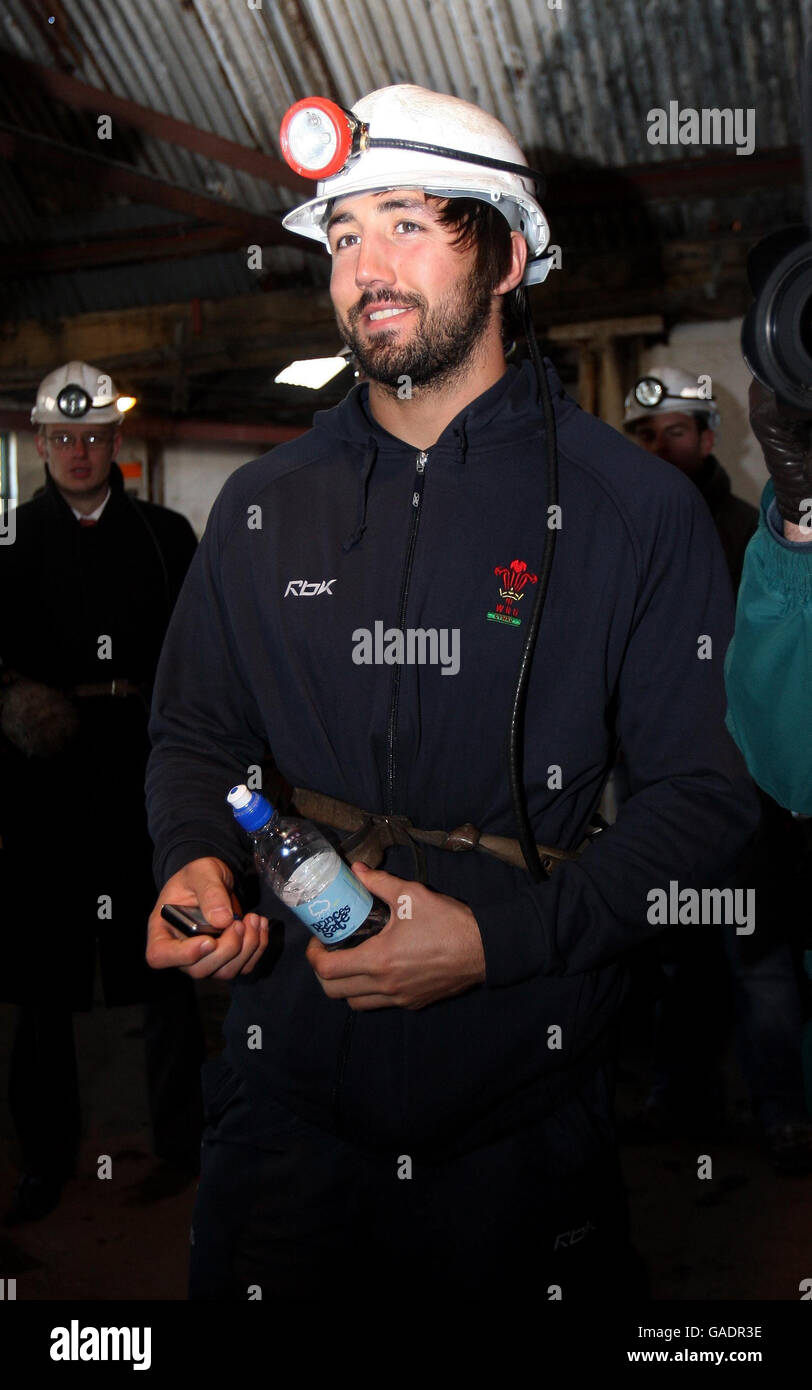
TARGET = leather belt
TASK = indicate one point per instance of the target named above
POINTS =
(370, 834)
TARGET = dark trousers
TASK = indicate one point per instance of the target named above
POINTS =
(693, 1019)
(44, 1083)
(769, 1027)
(296, 1213)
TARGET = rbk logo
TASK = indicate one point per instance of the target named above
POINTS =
(572, 1237)
(309, 588)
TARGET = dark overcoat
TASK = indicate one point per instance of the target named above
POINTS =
(81, 607)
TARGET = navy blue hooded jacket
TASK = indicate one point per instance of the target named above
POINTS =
(630, 650)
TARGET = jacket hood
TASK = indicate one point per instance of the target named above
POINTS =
(513, 400)
(512, 405)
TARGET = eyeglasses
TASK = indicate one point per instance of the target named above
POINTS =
(69, 441)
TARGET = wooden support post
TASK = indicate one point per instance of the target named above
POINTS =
(610, 384)
(602, 359)
(587, 379)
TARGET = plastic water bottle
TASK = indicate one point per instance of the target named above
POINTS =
(307, 874)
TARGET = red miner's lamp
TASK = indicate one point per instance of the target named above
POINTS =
(317, 137)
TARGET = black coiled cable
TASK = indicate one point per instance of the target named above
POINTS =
(515, 750)
(465, 156)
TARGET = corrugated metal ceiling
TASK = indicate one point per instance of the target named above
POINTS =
(574, 83)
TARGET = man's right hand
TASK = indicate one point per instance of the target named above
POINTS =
(207, 884)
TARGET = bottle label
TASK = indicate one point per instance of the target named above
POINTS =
(338, 910)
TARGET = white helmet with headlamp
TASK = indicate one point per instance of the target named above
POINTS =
(77, 391)
(666, 389)
(390, 140)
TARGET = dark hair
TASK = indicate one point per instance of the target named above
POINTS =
(479, 224)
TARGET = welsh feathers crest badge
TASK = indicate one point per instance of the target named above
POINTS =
(515, 578)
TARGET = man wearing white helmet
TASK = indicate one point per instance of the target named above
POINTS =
(79, 414)
(669, 412)
(430, 1111)
(91, 579)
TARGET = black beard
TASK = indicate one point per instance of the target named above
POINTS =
(445, 341)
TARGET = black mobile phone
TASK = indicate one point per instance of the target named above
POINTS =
(189, 920)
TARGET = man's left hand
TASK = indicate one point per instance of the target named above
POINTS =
(430, 949)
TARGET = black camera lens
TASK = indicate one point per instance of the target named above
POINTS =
(777, 331)
(805, 327)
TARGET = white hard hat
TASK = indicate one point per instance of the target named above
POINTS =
(77, 391)
(409, 113)
(666, 389)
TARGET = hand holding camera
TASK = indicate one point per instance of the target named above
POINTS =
(785, 436)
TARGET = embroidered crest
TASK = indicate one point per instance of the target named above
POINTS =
(515, 577)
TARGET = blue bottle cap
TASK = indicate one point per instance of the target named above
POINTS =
(251, 810)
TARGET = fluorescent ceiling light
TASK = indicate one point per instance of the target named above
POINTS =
(313, 372)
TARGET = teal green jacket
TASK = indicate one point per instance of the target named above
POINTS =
(768, 667)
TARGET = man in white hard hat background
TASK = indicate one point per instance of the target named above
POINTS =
(671, 413)
(429, 1114)
(89, 584)
(79, 433)
(679, 424)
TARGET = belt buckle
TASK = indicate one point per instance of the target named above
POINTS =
(364, 844)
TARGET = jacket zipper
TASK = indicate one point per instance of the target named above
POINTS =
(349, 1026)
(417, 497)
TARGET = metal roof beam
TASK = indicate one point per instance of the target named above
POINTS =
(169, 428)
(109, 176)
(160, 335)
(81, 96)
(679, 178)
(139, 244)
